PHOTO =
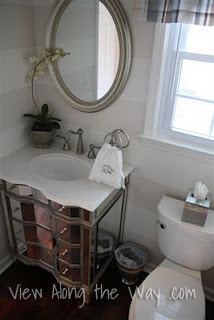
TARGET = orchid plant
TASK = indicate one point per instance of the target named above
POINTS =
(43, 120)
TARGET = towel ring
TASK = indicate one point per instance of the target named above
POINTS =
(115, 138)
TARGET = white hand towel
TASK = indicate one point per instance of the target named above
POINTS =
(108, 167)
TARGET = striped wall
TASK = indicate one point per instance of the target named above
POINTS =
(17, 42)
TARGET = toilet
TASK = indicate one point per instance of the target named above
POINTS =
(188, 249)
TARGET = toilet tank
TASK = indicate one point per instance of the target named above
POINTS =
(186, 244)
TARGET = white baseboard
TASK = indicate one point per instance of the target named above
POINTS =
(209, 293)
(6, 263)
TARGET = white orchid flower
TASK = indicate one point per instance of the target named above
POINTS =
(29, 76)
(41, 67)
(47, 61)
(39, 73)
(60, 52)
(33, 59)
(46, 53)
(57, 51)
(55, 57)
(41, 64)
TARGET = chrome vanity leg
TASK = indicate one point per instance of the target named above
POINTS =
(123, 210)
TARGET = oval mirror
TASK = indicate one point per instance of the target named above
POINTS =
(97, 36)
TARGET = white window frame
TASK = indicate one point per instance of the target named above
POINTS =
(159, 115)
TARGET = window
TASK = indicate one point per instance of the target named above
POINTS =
(186, 84)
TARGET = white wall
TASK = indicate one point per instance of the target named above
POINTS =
(17, 42)
(159, 170)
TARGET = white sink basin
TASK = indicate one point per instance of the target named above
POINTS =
(60, 167)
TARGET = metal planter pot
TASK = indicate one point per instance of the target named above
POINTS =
(129, 276)
(131, 258)
(42, 139)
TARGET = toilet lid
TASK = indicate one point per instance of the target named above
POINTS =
(164, 295)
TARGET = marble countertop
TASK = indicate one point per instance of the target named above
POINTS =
(15, 168)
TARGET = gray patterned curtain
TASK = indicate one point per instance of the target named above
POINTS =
(181, 11)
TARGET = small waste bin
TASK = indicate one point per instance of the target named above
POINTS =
(131, 258)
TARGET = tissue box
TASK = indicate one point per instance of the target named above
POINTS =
(195, 212)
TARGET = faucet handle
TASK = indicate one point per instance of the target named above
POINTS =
(80, 131)
(80, 147)
(91, 153)
(61, 137)
(66, 146)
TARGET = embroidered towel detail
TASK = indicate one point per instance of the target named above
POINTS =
(108, 167)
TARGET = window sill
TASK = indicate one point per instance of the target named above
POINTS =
(205, 153)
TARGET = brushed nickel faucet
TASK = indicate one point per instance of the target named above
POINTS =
(67, 147)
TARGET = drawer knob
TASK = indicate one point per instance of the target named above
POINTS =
(12, 187)
(65, 271)
(63, 231)
(64, 253)
(16, 209)
(61, 209)
(19, 231)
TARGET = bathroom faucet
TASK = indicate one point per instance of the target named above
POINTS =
(67, 147)
(91, 154)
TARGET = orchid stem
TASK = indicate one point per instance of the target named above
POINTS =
(32, 93)
(32, 81)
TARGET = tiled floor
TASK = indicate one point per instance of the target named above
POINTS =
(54, 309)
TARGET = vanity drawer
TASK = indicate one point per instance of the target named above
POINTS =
(19, 231)
(25, 191)
(21, 247)
(68, 232)
(11, 187)
(20, 190)
(73, 274)
(68, 254)
(35, 252)
(71, 212)
(16, 209)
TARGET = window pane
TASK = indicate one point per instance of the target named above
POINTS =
(197, 79)
(212, 133)
(199, 40)
(193, 116)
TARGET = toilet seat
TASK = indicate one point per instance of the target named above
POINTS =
(166, 279)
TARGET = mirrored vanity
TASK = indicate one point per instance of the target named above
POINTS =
(74, 242)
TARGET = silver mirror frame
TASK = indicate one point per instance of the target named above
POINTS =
(125, 59)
